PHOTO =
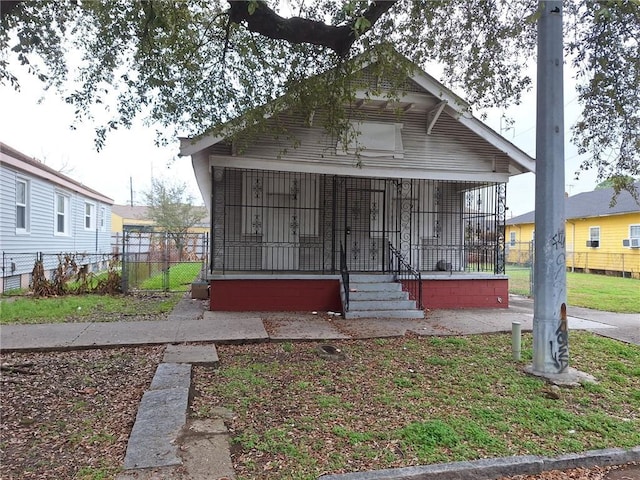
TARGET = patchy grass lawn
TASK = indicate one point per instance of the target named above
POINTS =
(181, 275)
(600, 292)
(68, 415)
(409, 401)
(80, 308)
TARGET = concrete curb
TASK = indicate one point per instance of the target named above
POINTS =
(491, 468)
(161, 416)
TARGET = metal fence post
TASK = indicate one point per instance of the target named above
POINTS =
(125, 267)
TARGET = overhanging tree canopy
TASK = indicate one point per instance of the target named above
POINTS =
(191, 66)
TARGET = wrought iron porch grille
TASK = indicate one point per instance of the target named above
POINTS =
(271, 221)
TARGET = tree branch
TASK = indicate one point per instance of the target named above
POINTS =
(265, 21)
(7, 6)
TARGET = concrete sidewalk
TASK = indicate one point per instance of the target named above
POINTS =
(189, 322)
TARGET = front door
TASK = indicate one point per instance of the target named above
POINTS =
(365, 229)
(280, 247)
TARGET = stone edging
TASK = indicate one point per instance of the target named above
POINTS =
(491, 468)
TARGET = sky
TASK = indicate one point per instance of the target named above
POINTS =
(37, 124)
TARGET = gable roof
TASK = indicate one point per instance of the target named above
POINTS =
(14, 158)
(448, 102)
(141, 212)
(590, 204)
(137, 212)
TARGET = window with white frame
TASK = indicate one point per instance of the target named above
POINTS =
(634, 231)
(61, 220)
(512, 238)
(103, 219)
(594, 237)
(22, 205)
(89, 216)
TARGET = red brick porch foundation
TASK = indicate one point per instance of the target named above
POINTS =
(277, 295)
(299, 295)
(460, 293)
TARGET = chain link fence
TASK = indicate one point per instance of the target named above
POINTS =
(17, 268)
(162, 261)
(147, 261)
(520, 257)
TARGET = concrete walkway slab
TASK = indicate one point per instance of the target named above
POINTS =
(207, 454)
(213, 328)
(383, 327)
(305, 328)
(126, 334)
(161, 416)
(171, 375)
(205, 355)
(40, 336)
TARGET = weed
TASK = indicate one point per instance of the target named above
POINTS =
(92, 473)
(403, 382)
(424, 437)
(354, 438)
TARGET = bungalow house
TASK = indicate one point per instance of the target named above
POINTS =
(413, 200)
(46, 213)
(600, 238)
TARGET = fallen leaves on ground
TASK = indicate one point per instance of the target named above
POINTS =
(69, 414)
(300, 415)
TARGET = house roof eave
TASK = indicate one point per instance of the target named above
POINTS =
(522, 159)
(16, 159)
(189, 146)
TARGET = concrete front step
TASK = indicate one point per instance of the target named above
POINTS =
(378, 295)
(384, 314)
(381, 304)
(374, 286)
(371, 278)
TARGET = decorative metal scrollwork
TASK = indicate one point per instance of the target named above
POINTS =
(355, 250)
(295, 189)
(257, 224)
(373, 250)
(374, 211)
(294, 225)
(257, 188)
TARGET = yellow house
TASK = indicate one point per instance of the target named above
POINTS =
(126, 217)
(599, 238)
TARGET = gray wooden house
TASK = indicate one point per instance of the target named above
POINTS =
(415, 197)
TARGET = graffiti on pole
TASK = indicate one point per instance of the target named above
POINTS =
(560, 343)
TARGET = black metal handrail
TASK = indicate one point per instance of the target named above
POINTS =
(404, 271)
(344, 271)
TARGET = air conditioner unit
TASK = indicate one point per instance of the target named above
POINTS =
(593, 243)
(625, 242)
(635, 242)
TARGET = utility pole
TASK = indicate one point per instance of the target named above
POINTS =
(550, 332)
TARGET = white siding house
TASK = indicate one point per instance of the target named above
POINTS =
(46, 212)
(291, 220)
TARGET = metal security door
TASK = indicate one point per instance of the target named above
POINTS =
(280, 249)
(365, 229)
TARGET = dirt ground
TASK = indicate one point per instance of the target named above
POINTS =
(68, 415)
